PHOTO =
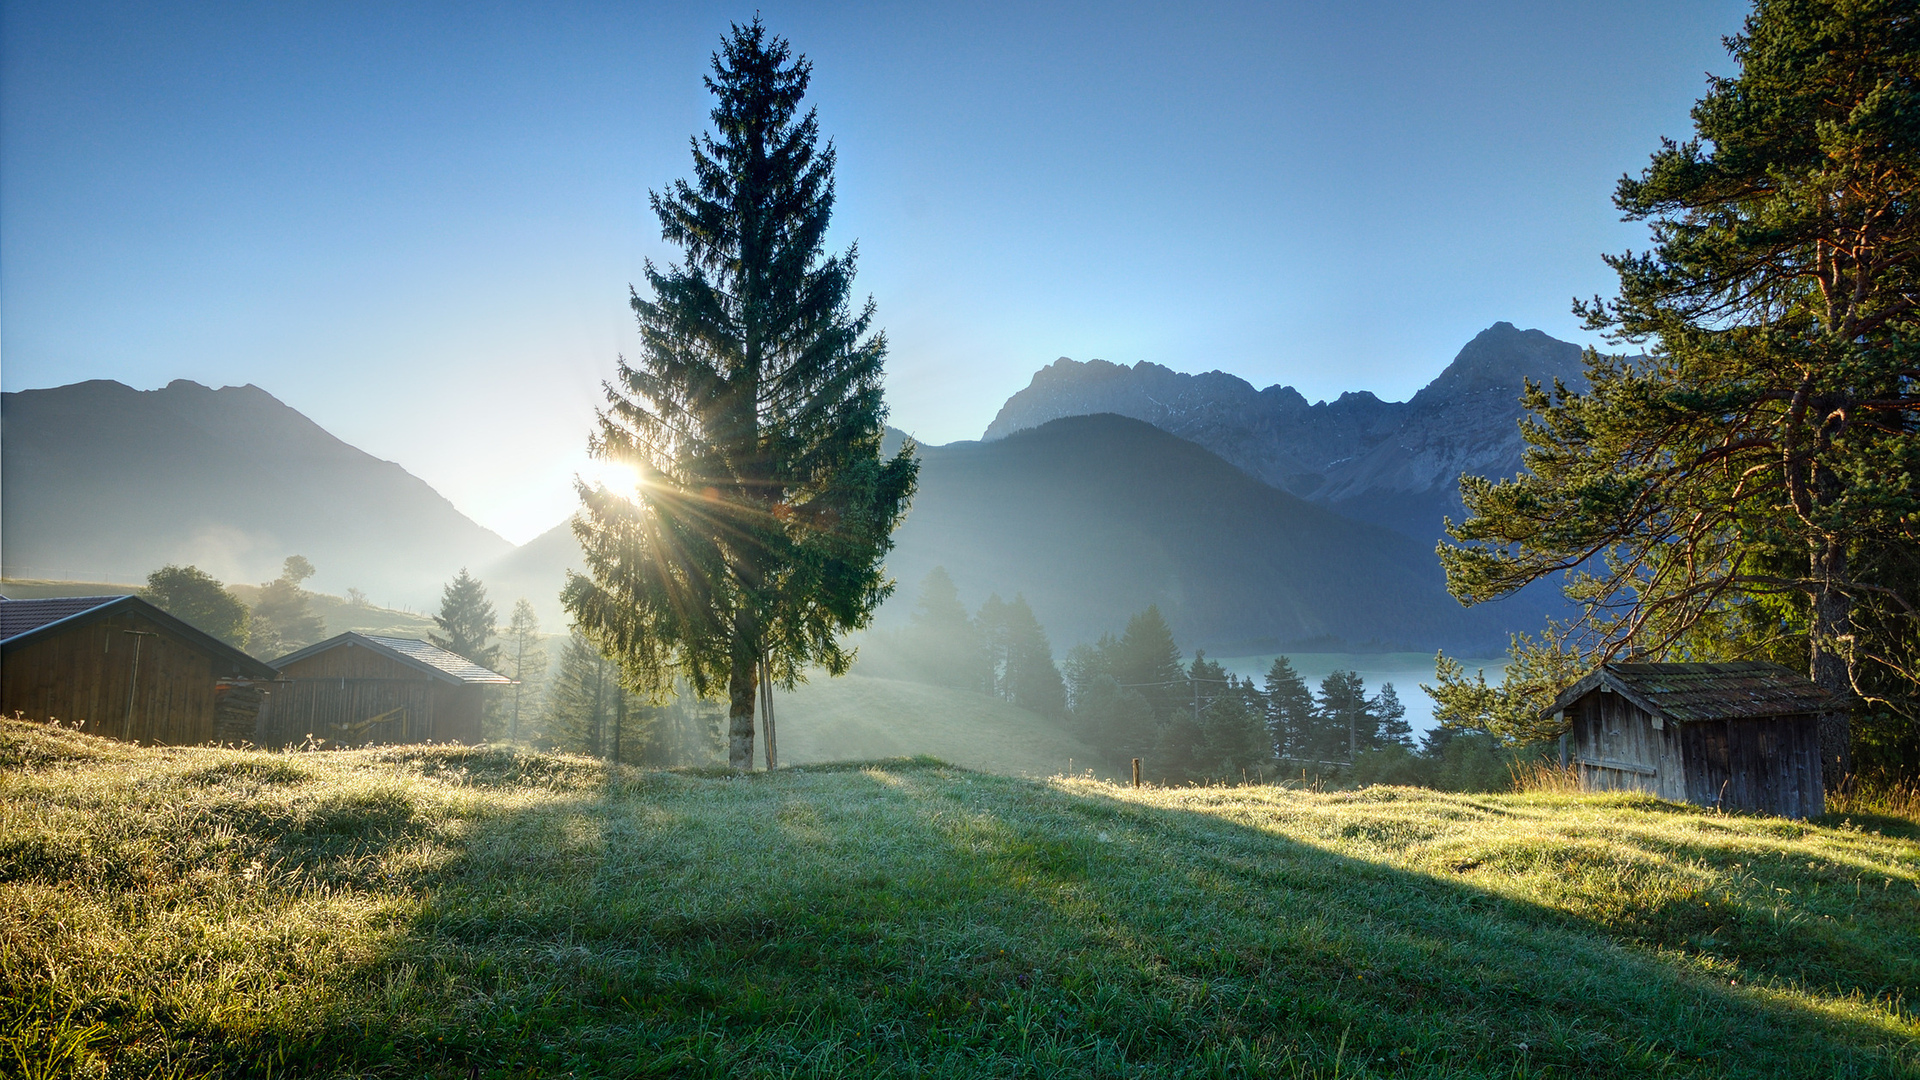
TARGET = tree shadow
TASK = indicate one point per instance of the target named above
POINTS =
(909, 917)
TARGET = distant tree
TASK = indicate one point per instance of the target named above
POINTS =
(1019, 660)
(754, 417)
(1289, 708)
(356, 598)
(466, 618)
(1233, 723)
(1390, 719)
(524, 655)
(1344, 723)
(580, 702)
(193, 596)
(1117, 723)
(283, 616)
(1087, 663)
(1146, 659)
(941, 645)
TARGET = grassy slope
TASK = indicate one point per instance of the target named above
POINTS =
(860, 717)
(471, 912)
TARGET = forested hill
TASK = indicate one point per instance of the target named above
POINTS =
(103, 479)
(1391, 463)
(1095, 517)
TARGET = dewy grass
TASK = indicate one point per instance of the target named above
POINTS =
(460, 912)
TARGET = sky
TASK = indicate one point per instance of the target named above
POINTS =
(417, 223)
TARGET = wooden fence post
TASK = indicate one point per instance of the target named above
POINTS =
(1136, 772)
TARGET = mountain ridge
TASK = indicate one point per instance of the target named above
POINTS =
(1389, 463)
(230, 479)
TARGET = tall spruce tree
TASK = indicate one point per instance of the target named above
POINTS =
(753, 418)
(523, 655)
(1029, 679)
(1289, 708)
(466, 618)
(942, 645)
(1146, 659)
(1747, 488)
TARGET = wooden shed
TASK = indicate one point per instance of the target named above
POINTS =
(120, 667)
(362, 688)
(1739, 736)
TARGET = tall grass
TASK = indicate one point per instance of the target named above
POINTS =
(476, 912)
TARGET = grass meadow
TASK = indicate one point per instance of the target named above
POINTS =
(479, 912)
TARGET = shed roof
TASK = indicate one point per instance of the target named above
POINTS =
(432, 659)
(23, 622)
(1716, 691)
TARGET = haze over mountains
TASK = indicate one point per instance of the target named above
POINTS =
(103, 479)
(1254, 519)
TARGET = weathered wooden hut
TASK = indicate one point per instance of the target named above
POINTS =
(362, 688)
(120, 667)
(1742, 735)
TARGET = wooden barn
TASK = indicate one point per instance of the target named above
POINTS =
(1739, 736)
(361, 688)
(120, 667)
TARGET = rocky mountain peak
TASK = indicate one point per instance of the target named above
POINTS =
(1499, 358)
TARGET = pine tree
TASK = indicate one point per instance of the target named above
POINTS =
(995, 658)
(524, 656)
(466, 617)
(1344, 723)
(1289, 708)
(580, 702)
(283, 617)
(191, 595)
(942, 645)
(1147, 660)
(1390, 719)
(1032, 681)
(753, 418)
(1745, 488)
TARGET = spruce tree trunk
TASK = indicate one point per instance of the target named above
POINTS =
(1832, 624)
(743, 685)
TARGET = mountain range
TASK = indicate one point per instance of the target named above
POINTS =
(1253, 518)
(105, 481)
(1390, 463)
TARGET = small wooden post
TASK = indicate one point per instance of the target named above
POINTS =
(1136, 772)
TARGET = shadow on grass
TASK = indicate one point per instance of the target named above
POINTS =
(909, 918)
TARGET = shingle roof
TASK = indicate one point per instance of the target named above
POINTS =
(434, 660)
(1717, 691)
(22, 622)
(450, 662)
(20, 616)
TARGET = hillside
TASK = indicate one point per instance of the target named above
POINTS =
(1095, 517)
(231, 480)
(1390, 463)
(860, 717)
(338, 614)
(454, 913)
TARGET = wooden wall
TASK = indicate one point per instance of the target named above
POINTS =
(86, 673)
(1768, 765)
(338, 695)
(1618, 748)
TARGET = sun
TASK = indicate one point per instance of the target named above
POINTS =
(621, 479)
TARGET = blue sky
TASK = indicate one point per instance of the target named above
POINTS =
(417, 223)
